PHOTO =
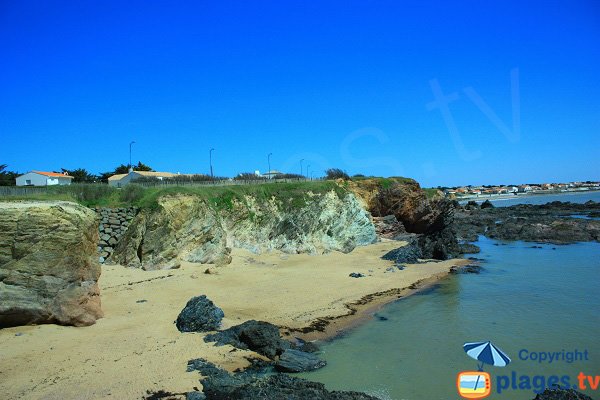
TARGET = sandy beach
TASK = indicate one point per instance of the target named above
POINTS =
(136, 346)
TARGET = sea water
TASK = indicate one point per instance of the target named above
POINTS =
(573, 197)
(526, 301)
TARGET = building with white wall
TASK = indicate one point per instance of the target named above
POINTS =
(121, 180)
(42, 178)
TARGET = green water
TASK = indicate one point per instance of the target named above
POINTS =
(535, 299)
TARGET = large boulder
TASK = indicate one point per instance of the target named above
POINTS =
(48, 264)
(259, 336)
(293, 360)
(199, 315)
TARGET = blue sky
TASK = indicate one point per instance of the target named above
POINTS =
(340, 84)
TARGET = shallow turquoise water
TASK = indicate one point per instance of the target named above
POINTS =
(573, 197)
(526, 298)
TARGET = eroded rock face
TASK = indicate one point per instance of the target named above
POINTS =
(187, 228)
(48, 264)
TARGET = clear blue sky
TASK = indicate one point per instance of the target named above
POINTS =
(340, 84)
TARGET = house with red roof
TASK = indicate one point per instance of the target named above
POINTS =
(42, 178)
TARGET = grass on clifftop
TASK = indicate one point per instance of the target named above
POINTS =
(292, 195)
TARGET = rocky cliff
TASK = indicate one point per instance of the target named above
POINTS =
(48, 264)
(427, 222)
(195, 229)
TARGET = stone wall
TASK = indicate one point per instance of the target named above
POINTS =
(113, 224)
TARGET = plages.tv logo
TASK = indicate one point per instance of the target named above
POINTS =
(478, 384)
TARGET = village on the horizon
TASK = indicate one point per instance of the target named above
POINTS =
(465, 192)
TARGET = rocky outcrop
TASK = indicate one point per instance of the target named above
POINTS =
(113, 224)
(189, 228)
(558, 393)
(259, 336)
(430, 219)
(218, 384)
(199, 315)
(292, 360)
(48, 264)
(555, 222)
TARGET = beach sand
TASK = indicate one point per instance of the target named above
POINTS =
(136, 346)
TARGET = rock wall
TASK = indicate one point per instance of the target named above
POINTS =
(188, 228)
(48, 264)
(113, 224)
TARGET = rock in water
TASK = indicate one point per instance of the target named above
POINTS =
(48, 264)
(561, 394)
(259, 336)
(298, 361)
(199, 315)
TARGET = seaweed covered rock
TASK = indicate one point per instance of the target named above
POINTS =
(199, 315)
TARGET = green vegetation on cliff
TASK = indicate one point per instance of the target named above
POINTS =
(292, 195)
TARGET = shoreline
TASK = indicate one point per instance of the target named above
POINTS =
(138, 334)
(496, 197)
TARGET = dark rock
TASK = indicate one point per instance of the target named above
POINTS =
(309, 347)
(199, 315)
(466, 269)
(356, 275)
(259, 336)
(557, 393)
(546, 223)
(298, 361)
(469, 248)
(486, 204)
(381, 317)
(471, 205)
(408, 254)
(220, 385)
(195, 396)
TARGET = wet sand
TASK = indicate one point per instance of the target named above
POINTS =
(136, 346)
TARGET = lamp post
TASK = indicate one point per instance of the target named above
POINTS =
(301, 166)
(130, 144)
(210, 161)
(269, 161)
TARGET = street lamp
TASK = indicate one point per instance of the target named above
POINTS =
(210, 161)
(301, 166)
(269, 161)
(130, 144)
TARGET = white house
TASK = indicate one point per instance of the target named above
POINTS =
(41, 178)
(121, 180)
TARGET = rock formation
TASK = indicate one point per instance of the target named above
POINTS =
(189, 228)
(48, 264)
(430, 219)
(556, 222)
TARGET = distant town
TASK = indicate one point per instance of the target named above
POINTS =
(466, 192)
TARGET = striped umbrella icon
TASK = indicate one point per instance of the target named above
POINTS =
(486, 353)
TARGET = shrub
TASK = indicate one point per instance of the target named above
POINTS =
(248, 176)
(336, 173)
(289, 176)
(132, 193)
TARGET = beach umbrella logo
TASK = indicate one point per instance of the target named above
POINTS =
(477, 384)
(486, 353)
